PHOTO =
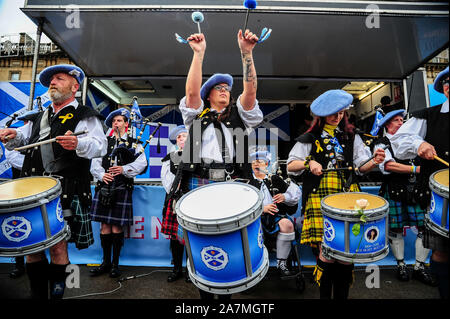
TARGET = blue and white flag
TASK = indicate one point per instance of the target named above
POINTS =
(376, 122)
(137, 114)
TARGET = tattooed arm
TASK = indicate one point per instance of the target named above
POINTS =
(246, 43)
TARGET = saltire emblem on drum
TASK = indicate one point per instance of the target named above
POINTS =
(214, 258)
(260, 237)
(432, 204)
(59, 212)
(328, 230)
(16, 228)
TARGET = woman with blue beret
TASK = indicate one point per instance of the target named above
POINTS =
(218, 140)
(399, 182)
(329, 143)
(425, 134)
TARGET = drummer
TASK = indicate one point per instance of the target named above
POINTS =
(112, 205)
(328, 144)
(70, 158)
(398, 188)
(426, 134)
(210, 114)
(169, 224)
(280, 201)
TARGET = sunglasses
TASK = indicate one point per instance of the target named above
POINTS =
(220, 87)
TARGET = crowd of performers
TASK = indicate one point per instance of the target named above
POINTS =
(330, 143)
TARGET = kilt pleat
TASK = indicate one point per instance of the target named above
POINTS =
(120, 213)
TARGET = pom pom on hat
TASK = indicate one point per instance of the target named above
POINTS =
(331, 102)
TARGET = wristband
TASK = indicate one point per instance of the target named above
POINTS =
(374, 163)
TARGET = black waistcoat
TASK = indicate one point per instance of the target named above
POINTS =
(437, 135)
(73, 169)
(321, 153)
(191, 154)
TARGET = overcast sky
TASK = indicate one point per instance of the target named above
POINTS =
(14, 21)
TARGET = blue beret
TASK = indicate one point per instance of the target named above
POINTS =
(390, 116)
(260, 155)
(45, 77)
(28, 115)
(177, 131)
(212, 81)
(122, 111)
(331, 102)
(438, 81)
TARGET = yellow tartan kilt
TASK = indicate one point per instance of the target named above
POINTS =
(312, 230)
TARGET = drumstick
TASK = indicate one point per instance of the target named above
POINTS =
(337, 169)
(46, 141)
(441, 160)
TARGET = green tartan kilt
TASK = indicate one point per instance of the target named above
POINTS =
(401, 215)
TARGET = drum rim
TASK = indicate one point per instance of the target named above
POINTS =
(351, 257)
(11, 205)
(235, 286)
(254, 212)
(437, 229)
(347, 215)
(436, 187)
(64, 233)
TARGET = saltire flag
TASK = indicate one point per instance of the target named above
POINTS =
(376, 123)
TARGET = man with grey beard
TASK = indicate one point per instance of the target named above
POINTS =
(70, 158)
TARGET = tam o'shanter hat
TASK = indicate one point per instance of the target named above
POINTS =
(390, 116)
(45, 77)
(122, 111)
(437, 85)
(212, 81)
(260, 155)
(331, 102)
(177, 131)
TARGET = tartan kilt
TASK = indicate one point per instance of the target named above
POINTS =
(169, 225)
(401, 215)
(121, 211)
(80, 226)
(312, 230)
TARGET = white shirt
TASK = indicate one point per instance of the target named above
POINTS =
(167, 176)
(130, 170)
(300, 151)
(292, 194)
(14, 158)
(90, 145)
(210, 146)
(388, 156)
(405, 143)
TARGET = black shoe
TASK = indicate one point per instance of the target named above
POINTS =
(174, 275)
(115, 271)
(17, 272)
(425, 277)
(284, 271)
(103, 269)
(402, 272)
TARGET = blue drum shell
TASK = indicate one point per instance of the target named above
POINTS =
(438, 213)
(229, 267)
(32, 229)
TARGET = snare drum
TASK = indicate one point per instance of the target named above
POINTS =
(437, 217)
(339, 216)
(223, 236)
(31, 218)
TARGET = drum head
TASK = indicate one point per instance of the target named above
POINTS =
(347, 201)
(219, 201)
(441, 177)
(26, 187)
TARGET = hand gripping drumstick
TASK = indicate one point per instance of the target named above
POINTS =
(46, 141)
(441, 160)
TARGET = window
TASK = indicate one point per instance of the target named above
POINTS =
(14, 76)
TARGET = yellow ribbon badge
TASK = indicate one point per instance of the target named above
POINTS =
(319, 148)
(66, 117)
(204, 112)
